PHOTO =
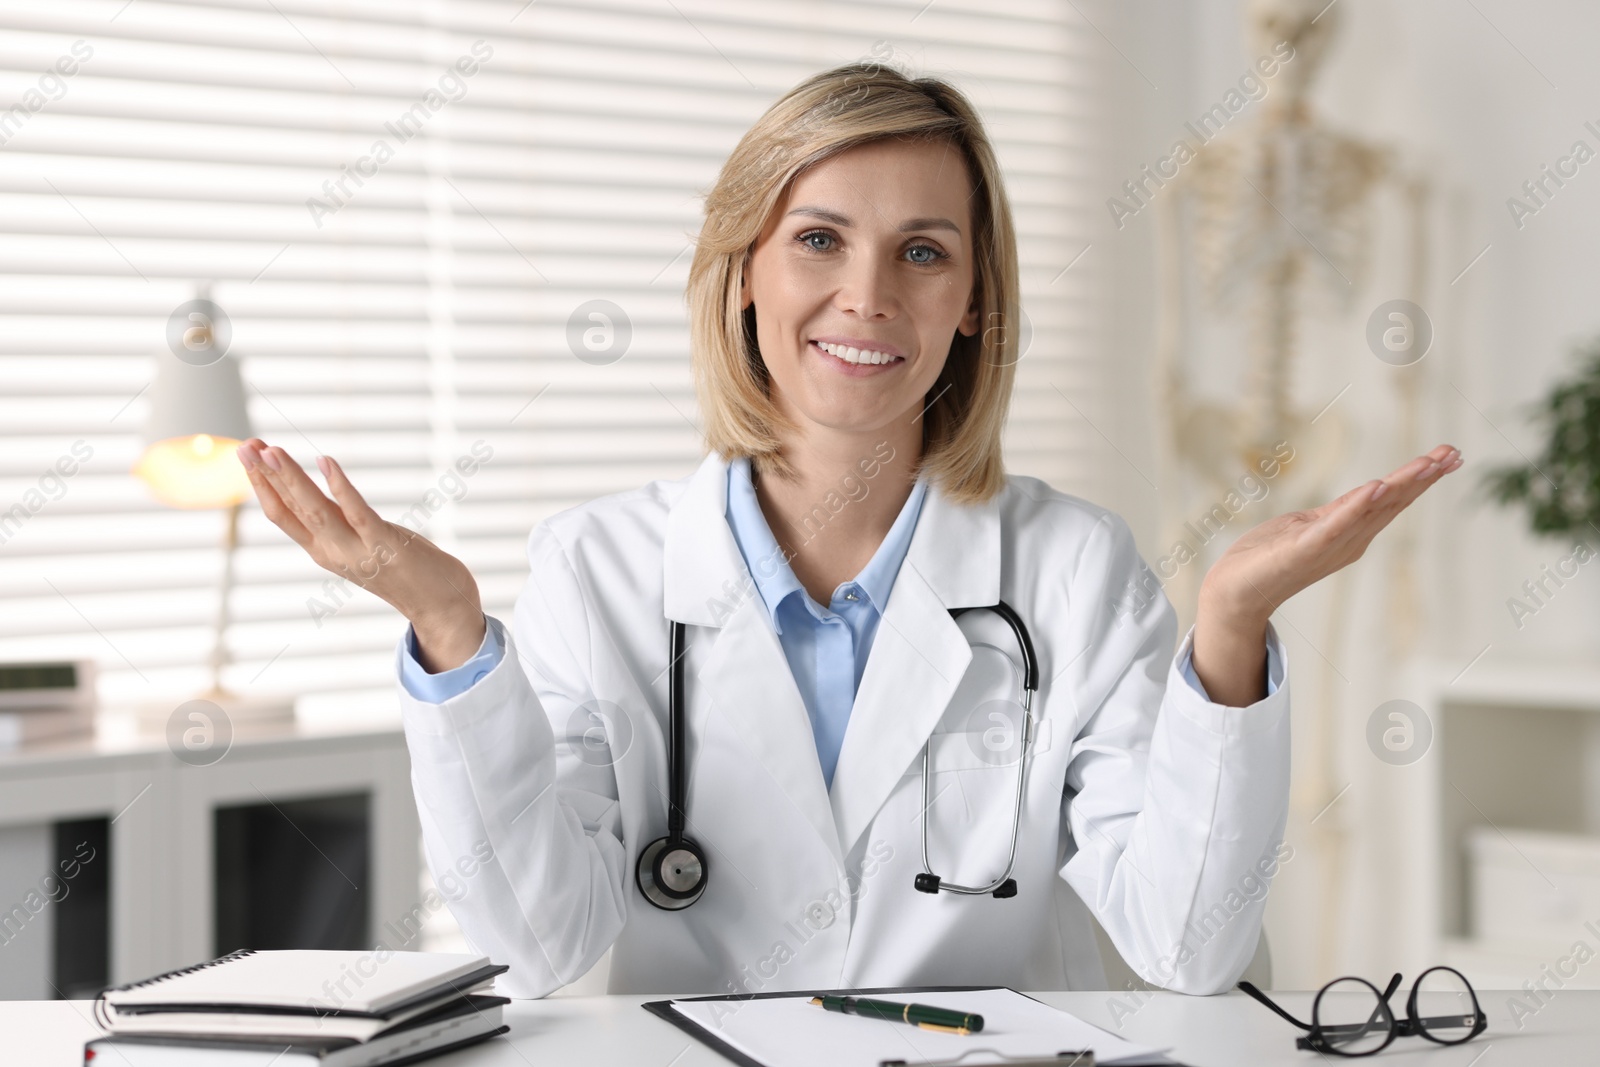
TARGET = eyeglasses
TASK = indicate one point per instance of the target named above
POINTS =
(1351, 1018)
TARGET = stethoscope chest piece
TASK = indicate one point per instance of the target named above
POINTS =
(671, 873)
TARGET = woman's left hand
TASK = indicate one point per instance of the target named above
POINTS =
(1277, 559)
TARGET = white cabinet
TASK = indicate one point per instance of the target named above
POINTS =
(163, 814)
(1508, 813)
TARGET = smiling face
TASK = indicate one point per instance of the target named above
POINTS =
(861, 279)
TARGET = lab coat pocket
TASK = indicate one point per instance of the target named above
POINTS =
(971, 795)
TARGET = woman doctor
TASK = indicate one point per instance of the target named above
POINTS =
(850, 298)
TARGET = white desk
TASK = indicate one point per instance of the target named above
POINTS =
(1226, 1031)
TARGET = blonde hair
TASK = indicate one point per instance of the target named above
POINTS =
(819, 118)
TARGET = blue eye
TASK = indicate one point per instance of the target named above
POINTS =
(921, 255)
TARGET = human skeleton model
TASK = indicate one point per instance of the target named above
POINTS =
(1277, 209)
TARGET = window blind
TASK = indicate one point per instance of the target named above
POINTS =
(405, 208)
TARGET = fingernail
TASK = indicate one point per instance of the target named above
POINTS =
(1428, 470)
(1381, 488)
(271, 460)
(322, 465)
(245, 458)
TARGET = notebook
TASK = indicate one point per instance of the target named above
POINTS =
(267, 1024)
(459, 1023)
(786, 1030)
(305, 982)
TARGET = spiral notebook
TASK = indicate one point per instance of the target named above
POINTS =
(294, 993)
(309, 982)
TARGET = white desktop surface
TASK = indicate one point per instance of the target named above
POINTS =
(1224, 1031)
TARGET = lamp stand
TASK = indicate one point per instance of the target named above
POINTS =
(239, 709)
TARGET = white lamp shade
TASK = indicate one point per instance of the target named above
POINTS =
(197, 419)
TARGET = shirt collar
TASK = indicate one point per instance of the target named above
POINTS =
(774, 579)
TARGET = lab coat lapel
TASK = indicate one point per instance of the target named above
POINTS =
(749, 678)
(745, 672)
(918, 655)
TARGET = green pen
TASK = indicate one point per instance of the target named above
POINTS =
(941, 1019)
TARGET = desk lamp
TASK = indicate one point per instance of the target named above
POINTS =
(197, 419)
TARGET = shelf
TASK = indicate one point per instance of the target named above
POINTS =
(119, 734)
(1561, 685)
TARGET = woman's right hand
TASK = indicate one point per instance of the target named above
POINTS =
(427, 585)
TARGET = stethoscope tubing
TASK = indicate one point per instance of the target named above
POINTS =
(1030, 682)
(677, 786)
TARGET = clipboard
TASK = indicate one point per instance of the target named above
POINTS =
(977, 1056)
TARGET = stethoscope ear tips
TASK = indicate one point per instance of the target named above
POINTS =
(929, 883)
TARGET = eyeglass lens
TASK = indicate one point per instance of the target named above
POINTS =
(1353, 1017)
(1446, 1010)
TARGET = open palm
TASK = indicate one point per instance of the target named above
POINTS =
(1277, 559)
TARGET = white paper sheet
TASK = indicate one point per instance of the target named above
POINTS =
(793, 1032)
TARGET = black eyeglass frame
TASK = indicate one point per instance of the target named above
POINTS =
(1317, 1036)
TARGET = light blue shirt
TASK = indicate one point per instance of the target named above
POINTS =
(826, 647)
(437, 688)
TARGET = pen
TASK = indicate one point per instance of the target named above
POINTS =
(942, 1019)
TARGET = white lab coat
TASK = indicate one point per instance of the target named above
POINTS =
(1161, 810)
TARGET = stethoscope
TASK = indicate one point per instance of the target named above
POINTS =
(672, 870)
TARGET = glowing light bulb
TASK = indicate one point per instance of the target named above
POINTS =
(197, 471)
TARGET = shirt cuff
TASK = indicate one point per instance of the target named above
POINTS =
(437, 688)
(1274, 664)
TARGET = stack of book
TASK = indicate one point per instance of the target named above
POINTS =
(298, 1008)
(45, 701)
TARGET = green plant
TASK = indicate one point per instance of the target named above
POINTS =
(1561, 488)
